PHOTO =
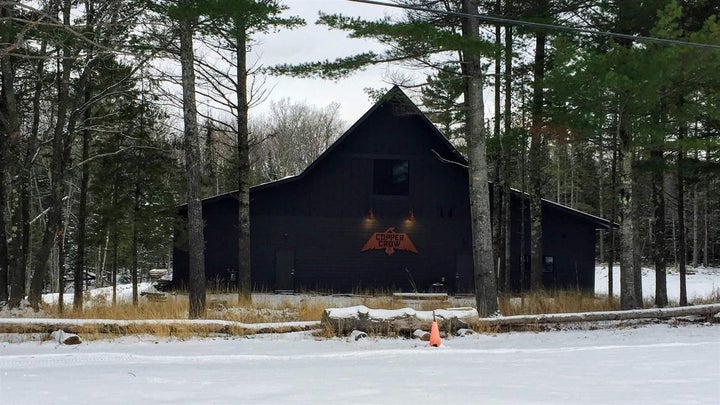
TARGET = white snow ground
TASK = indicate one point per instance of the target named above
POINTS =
(101, 295)
(657, 364)
(701, 283)
(648, 365)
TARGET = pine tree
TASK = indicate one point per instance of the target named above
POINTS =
(232, 25)
(431, 39)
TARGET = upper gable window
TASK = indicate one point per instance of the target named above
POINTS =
(391, 177)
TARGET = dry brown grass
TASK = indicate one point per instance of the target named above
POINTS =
(270, 308)
(174, 308)
(545, 302)
(310, 308)
(483, 327)
(92, 332)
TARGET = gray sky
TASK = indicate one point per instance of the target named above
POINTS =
(314, 43)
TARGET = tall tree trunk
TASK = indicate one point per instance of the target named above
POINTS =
(524, 276)
(536, 164)
(80, 240)
(485, 283)
(61, 250)
(196, 244)
(9, 131)
(134, 270)
(18, 290)
(105, 252)
(114, 270)
(674, 239)
(613, 210)
(497, 207)
(706, 221)
(658, 196)
(696, 243)
(4, 262)
(628, 300)
(571, 162)
(601, 205)
(14, 236)
(57, 171)
(682, 254)
(61, 270)
(243, 149)
(637, 244)
(506, 155)
(558, 176)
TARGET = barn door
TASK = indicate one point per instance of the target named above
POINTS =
(285, 270)
(464, 281)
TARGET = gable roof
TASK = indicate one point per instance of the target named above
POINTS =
(396, 95)
(601, 223)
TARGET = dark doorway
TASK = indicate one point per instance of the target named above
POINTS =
(285, 270)
(464, 281)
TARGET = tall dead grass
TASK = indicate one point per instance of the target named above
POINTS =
(311, 308)
(267, 308)
(546, 302)
(175, 307)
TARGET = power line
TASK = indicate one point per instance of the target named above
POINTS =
(548, 27)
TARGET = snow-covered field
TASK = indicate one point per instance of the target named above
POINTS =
(102, 295)
(702, 283)
(635, 365)
(648, 365)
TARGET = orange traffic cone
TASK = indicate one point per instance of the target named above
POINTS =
(434, 335)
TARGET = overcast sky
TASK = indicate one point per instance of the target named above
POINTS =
(315, 43)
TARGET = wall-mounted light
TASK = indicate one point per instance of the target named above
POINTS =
(411, 217)
(370, 215)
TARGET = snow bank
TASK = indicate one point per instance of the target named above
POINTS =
(362, 311)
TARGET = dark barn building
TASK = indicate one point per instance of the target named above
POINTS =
(384, 208)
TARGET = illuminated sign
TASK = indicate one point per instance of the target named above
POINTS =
(389, 241)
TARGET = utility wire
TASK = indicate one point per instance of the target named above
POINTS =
(548, 27)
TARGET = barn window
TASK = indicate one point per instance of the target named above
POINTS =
(548, 264)
(391, 177)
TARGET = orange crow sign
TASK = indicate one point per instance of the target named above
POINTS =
(390, 241)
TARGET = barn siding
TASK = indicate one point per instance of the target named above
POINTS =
(321, 217)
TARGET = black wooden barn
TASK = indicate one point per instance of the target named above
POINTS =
(382, 209)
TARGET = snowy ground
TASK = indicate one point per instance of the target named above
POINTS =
(703, 282)
(646, 365)
(103, 295)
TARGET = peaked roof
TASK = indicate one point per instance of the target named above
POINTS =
(396, 95)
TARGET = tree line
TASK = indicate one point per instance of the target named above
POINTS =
(90, 145)
(609, 107)
(105, 104)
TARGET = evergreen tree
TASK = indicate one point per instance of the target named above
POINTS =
(441, 102)
(435, 40)
(234, 23)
